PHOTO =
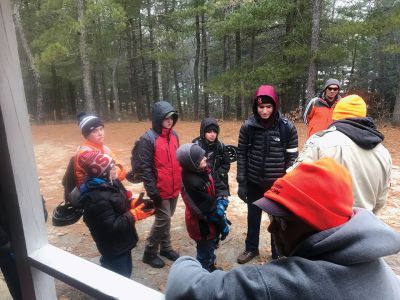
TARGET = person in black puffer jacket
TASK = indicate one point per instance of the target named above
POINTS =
(268, 145)
(216, 153)
(109, 212)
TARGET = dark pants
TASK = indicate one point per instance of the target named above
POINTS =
(205, 253)
(254, 214)
(121, 264)
(160, 236)
(8, 267)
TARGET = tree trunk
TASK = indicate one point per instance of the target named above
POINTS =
(178, 93)
(396, 111)
(238, 65)
(87, 77)
(71, 100)
(144, 70)
(133, 66)
(115, 98)
(196, 69)
(205, 63)
(225, 98)
(154, 78)
(312, 68)
(36, 75)
(159, 79)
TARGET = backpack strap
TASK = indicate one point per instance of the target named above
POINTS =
(285, 128)
(250, 135)
(152, 135)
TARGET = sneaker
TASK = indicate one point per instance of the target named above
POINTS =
(247, 256)
(171, 254)
(153, 260)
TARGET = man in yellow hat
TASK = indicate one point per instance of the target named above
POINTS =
(354, 141)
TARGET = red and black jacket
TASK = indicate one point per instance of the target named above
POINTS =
(199, 192)
(161, 172)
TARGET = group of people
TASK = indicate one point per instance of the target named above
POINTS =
(317, 201)
(325, 239)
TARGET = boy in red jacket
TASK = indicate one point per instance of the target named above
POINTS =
(161, 176)
(205, 197)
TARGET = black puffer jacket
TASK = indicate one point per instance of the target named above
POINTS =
(106, 213)
(216, 153)
(263, 157)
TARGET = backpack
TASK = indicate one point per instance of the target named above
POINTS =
(66, 213)
(136, 161)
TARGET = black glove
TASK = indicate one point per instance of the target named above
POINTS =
(242, 192)
(156, 199)
(225, 228)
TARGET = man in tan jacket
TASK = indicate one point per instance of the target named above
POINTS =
(353, 140)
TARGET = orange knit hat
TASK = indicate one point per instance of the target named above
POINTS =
(319, 193)
(351, 106)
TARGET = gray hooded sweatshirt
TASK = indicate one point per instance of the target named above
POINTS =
(344, 262)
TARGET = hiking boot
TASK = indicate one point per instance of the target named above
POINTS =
(247, 256)
(171, 254)
(153, 260)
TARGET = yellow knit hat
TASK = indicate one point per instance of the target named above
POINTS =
(352, 106)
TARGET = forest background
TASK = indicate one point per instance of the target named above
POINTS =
(117, 57)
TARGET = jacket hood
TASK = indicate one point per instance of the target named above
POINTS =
(159, 110)
(189, 156)
(206, 123)
(362, 131)
(268, 91)
(363, 238)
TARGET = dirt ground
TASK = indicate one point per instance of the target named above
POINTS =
(55, 144)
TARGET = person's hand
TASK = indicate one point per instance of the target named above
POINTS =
(242, 192)
(222, 204)
(140, 213)
(225, 229)
(156, 199)
(136, 201)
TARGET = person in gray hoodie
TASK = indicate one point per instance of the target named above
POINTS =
(329, 249)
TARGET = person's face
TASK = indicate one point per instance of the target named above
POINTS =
(203, 163)
(331, 92)
(288, 232)
(265, 110)
(96, 136)
(167, 123)
(211, 136)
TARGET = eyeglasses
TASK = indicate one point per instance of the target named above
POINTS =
(335, 89)
(282, 223)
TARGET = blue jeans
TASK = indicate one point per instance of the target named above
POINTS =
(8, 267)
(205, 253)
(121, 264)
